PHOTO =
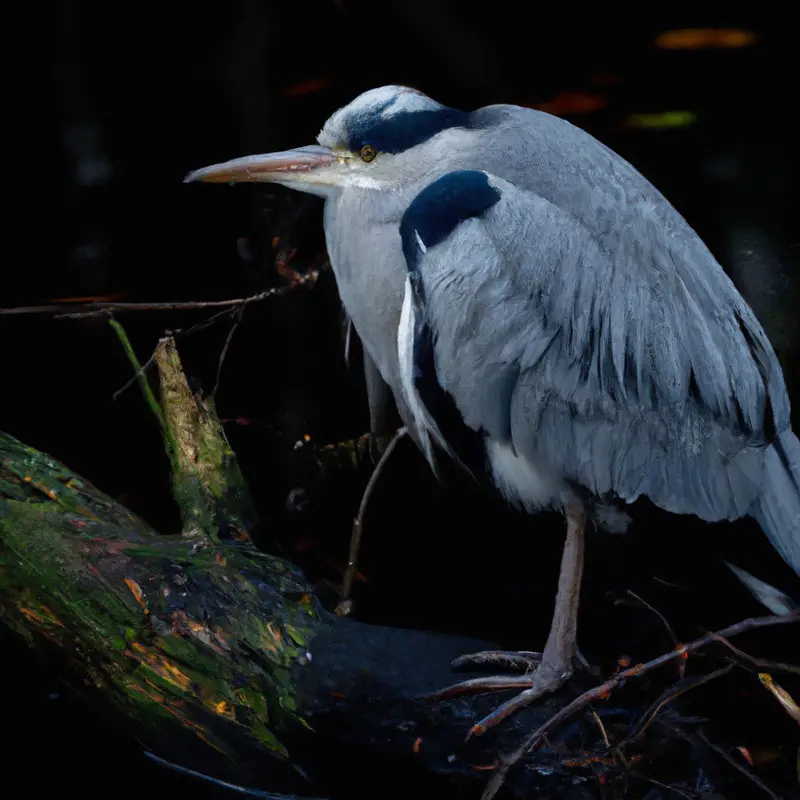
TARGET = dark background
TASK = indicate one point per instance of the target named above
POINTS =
(110, 105)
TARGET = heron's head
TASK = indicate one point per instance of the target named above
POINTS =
(385, 139)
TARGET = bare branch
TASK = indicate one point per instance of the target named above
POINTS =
(600, 727)
(675, 641)
(667, 786)
(228, 339)
(77, 310)
(345, 605)
(668, 696)
(137, 376)
(761, 663)
(717, 749)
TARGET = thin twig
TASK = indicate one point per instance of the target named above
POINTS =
(667, 697)
(175, 334)
(668, 786)
(58, 311)
(600, 727)
(139, 375)
(345, 606)
(757, 781)
(603, 691)
(233, 787)
(178, 333)
(761, 663)
(169, 440)
(675, 641)
(224, 353)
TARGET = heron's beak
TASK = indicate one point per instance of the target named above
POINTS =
(301, 168)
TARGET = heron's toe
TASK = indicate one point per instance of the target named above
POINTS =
(502, 660)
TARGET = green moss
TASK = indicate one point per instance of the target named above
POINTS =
(64, 562)
(87, 575)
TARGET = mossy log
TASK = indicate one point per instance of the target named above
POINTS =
(188, 630)
(211, 652)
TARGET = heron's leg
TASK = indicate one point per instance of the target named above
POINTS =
(560, 648)
(555, 666)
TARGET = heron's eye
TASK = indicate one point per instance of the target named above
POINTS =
(367, 153)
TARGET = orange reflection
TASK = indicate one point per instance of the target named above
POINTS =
(573, 103)
(705, 38)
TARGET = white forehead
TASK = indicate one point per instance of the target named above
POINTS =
(391, 100)
(384, 102)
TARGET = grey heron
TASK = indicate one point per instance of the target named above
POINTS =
(542, 314)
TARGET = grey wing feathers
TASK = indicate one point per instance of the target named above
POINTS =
(627, 360)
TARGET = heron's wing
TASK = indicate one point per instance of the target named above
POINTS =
(630, 368)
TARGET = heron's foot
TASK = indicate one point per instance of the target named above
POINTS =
(543, 676)
(543, 673)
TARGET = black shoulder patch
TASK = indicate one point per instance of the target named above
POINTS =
(405, 130)
(467, 444)
(432, 216)
(439, 208)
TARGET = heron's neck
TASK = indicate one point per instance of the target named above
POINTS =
(363, 238)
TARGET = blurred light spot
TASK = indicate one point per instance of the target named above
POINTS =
(306, 87)
(573, 103)
(705, 38)
(661, 120)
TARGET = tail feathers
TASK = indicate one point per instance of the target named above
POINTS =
(777, 508)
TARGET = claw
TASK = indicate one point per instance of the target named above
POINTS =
(479, 685)
(541, 684)
(584, 664)
(513, 661)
